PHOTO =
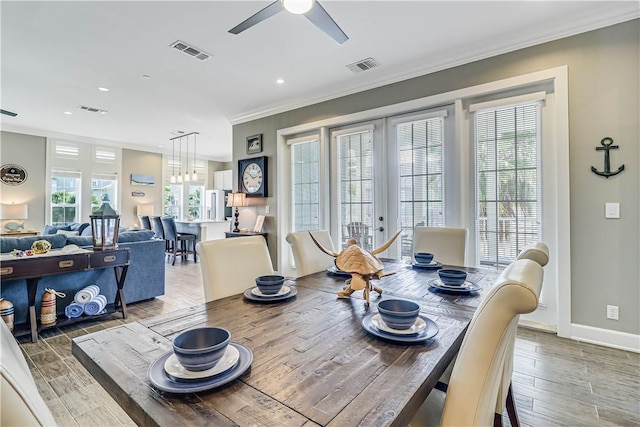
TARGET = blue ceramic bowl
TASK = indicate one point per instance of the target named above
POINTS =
(270, 285)
(452, 277)
(200, 349)
(423, 257)
(398, 313)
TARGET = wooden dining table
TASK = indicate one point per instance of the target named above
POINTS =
(313, 363)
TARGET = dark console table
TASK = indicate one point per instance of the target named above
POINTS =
(231, 234)
(32, 269)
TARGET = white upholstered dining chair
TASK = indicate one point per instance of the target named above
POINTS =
(229, 266)
(449, 245)
(21, 403)
(307, 256)
(538, 252)
(477, 374)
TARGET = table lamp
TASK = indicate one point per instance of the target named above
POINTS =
(236, 200)
(13, 212)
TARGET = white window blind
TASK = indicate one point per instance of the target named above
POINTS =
(305, 188)
(356, 186)
(421, 162)
(104, 155)
(66, 150)
(507, 148)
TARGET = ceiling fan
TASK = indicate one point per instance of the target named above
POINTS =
(311, 9)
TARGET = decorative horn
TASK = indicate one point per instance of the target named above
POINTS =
(333, 254)
(386, 245)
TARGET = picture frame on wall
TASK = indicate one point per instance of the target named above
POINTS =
(254, 144)
(259, 223)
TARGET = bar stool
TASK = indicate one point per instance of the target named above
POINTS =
(177, 242)
(145, 222)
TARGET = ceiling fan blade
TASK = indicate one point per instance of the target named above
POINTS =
(265, 13)
(325, 22)
(8, 113)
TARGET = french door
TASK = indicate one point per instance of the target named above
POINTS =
(390, 175)
(357, 182)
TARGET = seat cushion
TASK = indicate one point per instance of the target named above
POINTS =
(53, 229)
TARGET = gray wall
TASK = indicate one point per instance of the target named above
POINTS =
(29, 152)
(140, 162)
(603, 101)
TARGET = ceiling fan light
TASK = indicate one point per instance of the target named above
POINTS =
(297, 7)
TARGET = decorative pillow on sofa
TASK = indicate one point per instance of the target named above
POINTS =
(80, 240)
(75, 226)
(7, 244)
(53, 229)
(68, 233)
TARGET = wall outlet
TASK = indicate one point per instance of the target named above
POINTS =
(612, 312)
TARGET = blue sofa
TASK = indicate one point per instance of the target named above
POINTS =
(145, 277)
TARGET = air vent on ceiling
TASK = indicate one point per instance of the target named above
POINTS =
(364, 65)
(190, 50)
(92, 109)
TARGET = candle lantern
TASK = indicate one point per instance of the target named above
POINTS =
(105, 223)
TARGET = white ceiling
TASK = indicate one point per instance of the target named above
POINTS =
(56, 54)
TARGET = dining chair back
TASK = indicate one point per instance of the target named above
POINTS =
(538, 252)
(156, 226)
(21, 403)
(229, 266)
(449, 245)
(306, 255)
(478, 371)
(145, 222)
(361, 233)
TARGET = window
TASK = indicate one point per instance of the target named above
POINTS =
(65, 203)
(195, 201)
(305, 189)
(356, 187)
(508, 215)
(420, 163)
(103, 184)
(172, 200)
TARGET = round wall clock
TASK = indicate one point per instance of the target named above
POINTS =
(252, 176)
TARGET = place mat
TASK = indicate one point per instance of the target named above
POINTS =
(430, 331)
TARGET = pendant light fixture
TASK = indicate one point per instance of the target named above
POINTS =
(173, 161)
(187, 177)
(194, 177)
(179, 179)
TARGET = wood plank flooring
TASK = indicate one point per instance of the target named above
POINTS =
(557, 382)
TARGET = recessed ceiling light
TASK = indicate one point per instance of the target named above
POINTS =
(280, 81)
(68, 113)
(103, 89)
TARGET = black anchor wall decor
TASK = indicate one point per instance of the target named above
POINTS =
(606, 146)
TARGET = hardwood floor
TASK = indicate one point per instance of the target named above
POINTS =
(557, 382)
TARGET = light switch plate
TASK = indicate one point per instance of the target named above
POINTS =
(612, 210)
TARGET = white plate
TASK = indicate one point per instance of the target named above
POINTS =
(466, 285)
(284, 290)
(419, 326)
(175, 369)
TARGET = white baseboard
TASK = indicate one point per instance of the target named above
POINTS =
(537, 325)
(605, 337)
